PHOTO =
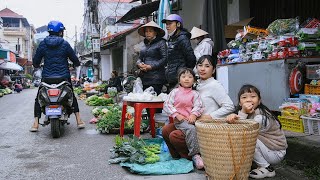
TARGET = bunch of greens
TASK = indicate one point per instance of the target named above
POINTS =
(98, 101)
(6, 91)
(77, 90)
(101, 87)
(99, 111)
(134, 150)
(110, 120)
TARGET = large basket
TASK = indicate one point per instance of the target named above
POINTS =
(227, 149)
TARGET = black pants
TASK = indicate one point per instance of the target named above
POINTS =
(37, 108)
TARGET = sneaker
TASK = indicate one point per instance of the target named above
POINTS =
(197, 161)
(262, 172)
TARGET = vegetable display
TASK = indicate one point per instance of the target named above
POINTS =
(77, 90)
(134, 150)
(109, 118)
(98, 101)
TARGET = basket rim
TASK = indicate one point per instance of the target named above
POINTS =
(223, 120)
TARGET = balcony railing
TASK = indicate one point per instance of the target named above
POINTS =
(14, 31)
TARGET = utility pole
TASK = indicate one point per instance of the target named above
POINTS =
(75, 41)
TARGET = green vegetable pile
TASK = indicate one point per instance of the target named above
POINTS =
(109, 118)
(5, 91)
(134, 150)
(98, 101)
(101, 87)
(77, 90)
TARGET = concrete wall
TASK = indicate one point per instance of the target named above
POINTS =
(191, 13)
(129, 57)
(238, 10)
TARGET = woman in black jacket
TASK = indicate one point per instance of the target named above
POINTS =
(114, 81)
(153, 58)
(180, 52)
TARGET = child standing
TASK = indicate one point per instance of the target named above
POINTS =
(271, 143)
(184, 105)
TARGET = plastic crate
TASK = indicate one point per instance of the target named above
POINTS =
(313, 71)
(312, 89)
(311, 125)
(291, 124)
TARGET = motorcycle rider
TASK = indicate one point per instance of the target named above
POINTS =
(55, 51)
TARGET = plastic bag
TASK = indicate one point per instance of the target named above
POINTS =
(283, 26)
(137, 87)
(150, 90)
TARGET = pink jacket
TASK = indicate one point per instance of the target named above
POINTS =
(184, 101)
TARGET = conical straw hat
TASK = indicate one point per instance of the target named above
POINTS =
(196, 32)
(158, 29)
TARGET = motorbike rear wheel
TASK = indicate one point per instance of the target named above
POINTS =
(55, 127)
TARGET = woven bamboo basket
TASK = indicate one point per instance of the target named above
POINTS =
(227, 149)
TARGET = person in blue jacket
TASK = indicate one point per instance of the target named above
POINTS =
(55, 51)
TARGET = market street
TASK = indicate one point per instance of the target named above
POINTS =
(78, 154)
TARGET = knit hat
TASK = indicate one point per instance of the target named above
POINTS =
(142, 29)
(196, 32)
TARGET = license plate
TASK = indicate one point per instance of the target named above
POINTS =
(53, 111)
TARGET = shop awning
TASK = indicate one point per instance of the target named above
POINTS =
(139, 11)
(110, 41)
(11, 66)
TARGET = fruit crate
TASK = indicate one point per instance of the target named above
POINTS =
(311, 125)
(312, 89)
(291, 124)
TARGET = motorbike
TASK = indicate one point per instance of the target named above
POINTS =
(55, 98)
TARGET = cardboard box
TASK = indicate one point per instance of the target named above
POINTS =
(230, 30)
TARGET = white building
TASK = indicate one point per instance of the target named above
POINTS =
(17, 36)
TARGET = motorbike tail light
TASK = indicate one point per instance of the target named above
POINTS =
(53, 106)
(53, 92)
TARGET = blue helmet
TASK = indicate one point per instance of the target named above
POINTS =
(55, 26)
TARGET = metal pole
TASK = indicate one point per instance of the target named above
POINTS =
(92, 57)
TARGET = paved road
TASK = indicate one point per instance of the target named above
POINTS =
(79, 154)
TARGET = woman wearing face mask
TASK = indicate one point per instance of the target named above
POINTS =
(180, 52)
(204, 44)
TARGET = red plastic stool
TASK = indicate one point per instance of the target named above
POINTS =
(138, 107)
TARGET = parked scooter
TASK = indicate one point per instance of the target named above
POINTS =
(55, 98)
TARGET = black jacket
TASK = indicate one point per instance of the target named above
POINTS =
(115, 82)
(155, 55)
(180, 55)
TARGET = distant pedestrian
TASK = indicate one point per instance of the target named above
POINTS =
(271, 143)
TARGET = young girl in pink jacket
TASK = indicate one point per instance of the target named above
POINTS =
(184, 105)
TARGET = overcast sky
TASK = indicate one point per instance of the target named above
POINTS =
(40, 12)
